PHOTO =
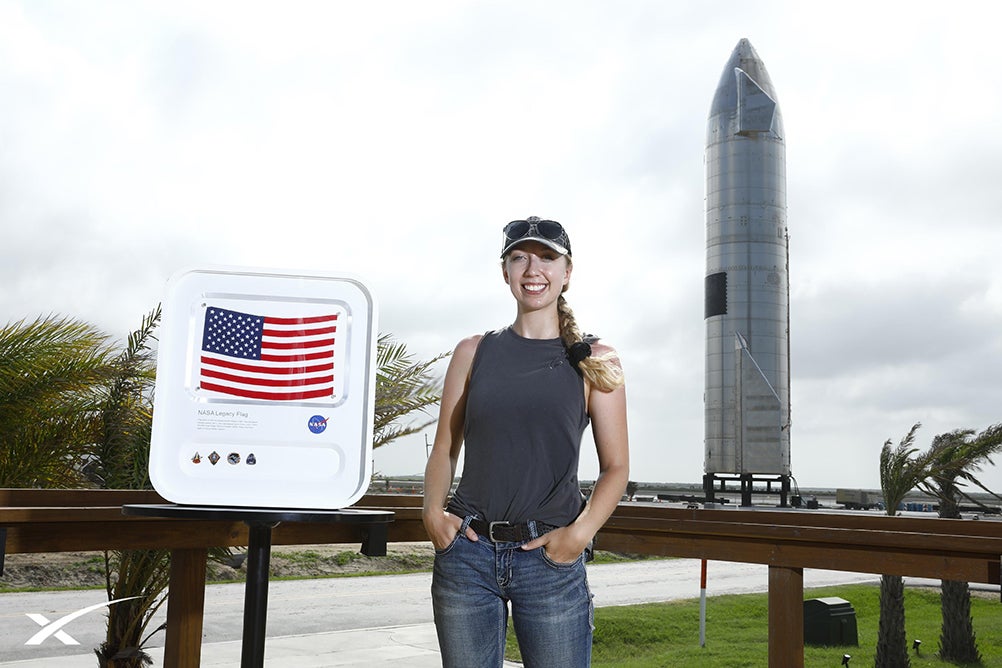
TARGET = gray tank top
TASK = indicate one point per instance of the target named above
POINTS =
(525, 416)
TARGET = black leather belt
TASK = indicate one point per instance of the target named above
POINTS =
(506, 532)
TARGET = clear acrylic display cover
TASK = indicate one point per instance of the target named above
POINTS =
(265, 390)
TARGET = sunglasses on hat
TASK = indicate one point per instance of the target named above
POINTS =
(548, 232)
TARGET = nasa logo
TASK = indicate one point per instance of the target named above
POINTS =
(317, 424)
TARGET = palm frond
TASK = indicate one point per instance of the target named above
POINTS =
(404, 386)
(956, 458)
(900, 471)
(50, 373)
(126, 412)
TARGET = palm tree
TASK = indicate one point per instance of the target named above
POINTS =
(900, 472)
(75, 412)
(957, 456)
(135, 578)
(49, 370)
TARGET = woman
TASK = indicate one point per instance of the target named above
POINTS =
(517, 528)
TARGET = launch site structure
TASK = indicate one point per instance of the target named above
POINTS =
(747, 380)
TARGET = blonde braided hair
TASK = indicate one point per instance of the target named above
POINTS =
(602, 372)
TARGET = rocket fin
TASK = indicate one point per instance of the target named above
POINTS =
(759, 422)
(756, 110)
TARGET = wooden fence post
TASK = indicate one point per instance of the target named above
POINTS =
(185, 607)
(786, 617)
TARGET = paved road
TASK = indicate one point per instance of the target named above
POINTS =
(340, 604)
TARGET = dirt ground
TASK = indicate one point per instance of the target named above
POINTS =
(86, 569)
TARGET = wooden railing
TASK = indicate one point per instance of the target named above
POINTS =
(785, 541)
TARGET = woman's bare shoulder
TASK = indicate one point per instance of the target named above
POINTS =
(602, 348)
(465, 350)
(468, 346)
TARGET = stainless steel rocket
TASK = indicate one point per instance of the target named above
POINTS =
(747, 383)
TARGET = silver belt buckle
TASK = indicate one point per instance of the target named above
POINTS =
(490, 529)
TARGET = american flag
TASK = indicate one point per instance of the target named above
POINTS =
(269, 358)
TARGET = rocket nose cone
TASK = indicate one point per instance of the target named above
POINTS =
(744, 58)
(744, 49)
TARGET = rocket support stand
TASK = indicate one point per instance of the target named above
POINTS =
(747, 481)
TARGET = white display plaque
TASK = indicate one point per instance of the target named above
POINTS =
(265, 389)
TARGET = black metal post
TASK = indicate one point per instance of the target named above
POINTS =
(747, 484)
(3, 547)
(374, 540)
(256, 594)
(708, 480)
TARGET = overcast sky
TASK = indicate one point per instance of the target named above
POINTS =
(393, 140)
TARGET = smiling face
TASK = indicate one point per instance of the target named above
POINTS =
(536, 274)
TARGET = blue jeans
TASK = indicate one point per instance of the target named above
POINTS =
(551, 605)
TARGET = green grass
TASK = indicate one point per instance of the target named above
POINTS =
(603, 557)
(6, 589)
(312, 557)
(737, 632)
